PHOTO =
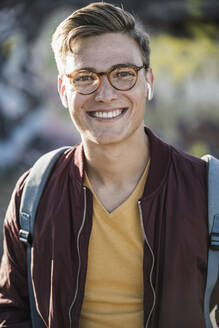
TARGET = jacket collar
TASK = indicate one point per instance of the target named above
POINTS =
(160, 161)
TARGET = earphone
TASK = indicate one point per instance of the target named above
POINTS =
(149, 91)
(65, 100)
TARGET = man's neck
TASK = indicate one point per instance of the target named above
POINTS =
(115, 169)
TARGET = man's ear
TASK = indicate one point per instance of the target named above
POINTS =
(150, 83)
(62, 91)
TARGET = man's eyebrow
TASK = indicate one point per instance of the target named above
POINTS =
(92, 69)
(122, 65)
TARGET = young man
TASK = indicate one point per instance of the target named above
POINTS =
(121, 234)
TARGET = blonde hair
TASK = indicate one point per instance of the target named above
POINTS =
(95, 19)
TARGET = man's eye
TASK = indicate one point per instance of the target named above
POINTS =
(84, 78)
(124, 73)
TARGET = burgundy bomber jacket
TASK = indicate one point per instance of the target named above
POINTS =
(173, 210)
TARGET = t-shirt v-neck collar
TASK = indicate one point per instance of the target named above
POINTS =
(132, 198)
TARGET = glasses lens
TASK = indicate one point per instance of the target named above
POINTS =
(85, 82)
(123, 78)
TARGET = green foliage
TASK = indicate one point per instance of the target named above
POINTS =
(8, 46)
(199, 149)
(194, 8)
(179, 58)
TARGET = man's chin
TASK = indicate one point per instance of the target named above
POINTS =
(105, 139)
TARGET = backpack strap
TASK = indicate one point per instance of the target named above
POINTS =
(31, 195)
(213, 229)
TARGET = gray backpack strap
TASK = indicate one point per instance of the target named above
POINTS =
(213, 228)
(31, 195)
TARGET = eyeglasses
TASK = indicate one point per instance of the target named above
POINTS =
(122, 77)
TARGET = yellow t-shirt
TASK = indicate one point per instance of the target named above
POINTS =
(114, 283)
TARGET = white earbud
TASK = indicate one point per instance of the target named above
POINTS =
(149, 91)
(65, 100)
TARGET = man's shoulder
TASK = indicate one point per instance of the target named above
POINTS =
(191, 168)
(182, 155)
(185, 158)
(63, 167)
(177, 155)
(171, 164)
(63, 163)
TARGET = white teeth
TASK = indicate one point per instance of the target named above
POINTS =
(112, 114)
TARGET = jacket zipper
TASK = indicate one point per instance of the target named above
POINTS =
(153, 261)
(79, 257)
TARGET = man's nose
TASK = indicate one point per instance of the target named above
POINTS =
(105, 92)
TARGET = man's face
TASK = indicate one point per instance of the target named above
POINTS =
(125, 108)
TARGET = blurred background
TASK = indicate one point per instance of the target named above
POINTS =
(184, 58)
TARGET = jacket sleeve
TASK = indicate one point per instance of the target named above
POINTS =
(14, 302)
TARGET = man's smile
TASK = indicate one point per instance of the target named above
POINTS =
(108, 114)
